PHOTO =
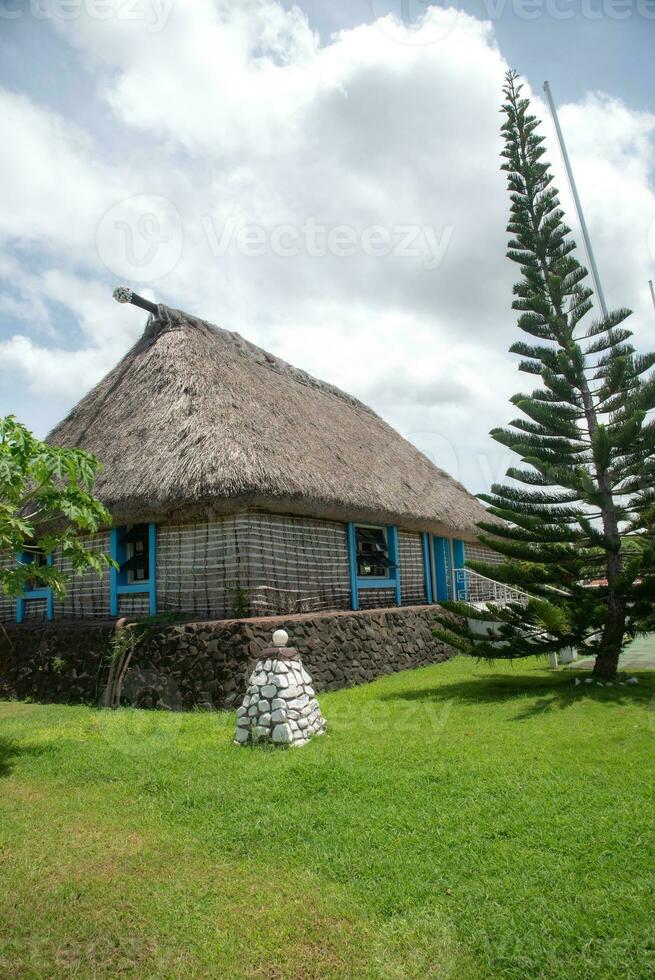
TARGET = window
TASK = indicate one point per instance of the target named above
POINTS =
(136, 563)
(372, 550)
(134, 549)
(34, 556)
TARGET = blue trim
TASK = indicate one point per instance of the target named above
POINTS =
(375, 583)
(29, 594)
(440, 546)
(427, 569)
(134, 588)
(352, 564)
(113, 573)
(392, 541)
(459, 564)
(152, 564)
(117, 587)
(359, 582)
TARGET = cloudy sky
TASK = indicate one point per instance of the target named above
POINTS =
(322, 177)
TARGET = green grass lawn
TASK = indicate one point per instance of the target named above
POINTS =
(457, 821)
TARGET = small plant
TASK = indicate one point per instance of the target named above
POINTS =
(241, 606)
(57, 664)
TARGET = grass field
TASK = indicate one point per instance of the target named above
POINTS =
(458, 821)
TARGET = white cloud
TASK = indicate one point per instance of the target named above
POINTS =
(237, 113)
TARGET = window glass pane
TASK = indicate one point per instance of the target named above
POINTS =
(137, 553)
(372, 552)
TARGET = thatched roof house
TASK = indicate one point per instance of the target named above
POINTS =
(196, 421)
(239, 485)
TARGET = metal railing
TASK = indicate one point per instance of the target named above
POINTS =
(478, 589)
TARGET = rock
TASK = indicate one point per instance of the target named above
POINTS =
(297, 704)
(241, 711)
(268, 691)
(632, 680)
(265, 719)
(282, 734)
(242, 736)
(278, 716)
(278, 703)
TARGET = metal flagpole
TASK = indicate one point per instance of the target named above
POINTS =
(652, 291)
(583, 224)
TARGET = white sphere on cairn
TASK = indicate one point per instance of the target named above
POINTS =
(280, 638)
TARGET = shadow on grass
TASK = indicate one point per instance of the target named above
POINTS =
(11, 750)
(536, 694)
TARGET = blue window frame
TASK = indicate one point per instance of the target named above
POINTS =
(134, 548)
(441, 548)
(459, 564)
(376, 548)
(427, 566)
(30, 593)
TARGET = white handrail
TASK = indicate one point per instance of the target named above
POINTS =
(480, 588)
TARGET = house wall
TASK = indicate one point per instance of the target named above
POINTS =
(200, 567)
(87, 595)
(247, 564)
(7, 604)
(259, 564)
(412, 569)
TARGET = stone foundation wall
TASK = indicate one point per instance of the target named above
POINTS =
(209, 663)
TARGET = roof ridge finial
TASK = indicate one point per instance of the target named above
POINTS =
(123, 294)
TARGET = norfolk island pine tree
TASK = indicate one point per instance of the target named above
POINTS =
(576, 521)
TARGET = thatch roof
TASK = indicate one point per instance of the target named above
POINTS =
(196, 421)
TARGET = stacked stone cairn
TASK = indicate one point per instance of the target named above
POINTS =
(280, 705)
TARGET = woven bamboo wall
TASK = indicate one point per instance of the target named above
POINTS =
(480, 552)
(137, 604)
(198, 567)
(252, 564)
(377, 598)
(7, 604)
(245, 564)
(35, 610)
(296, 565)
(412, 569)
(87, 595)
